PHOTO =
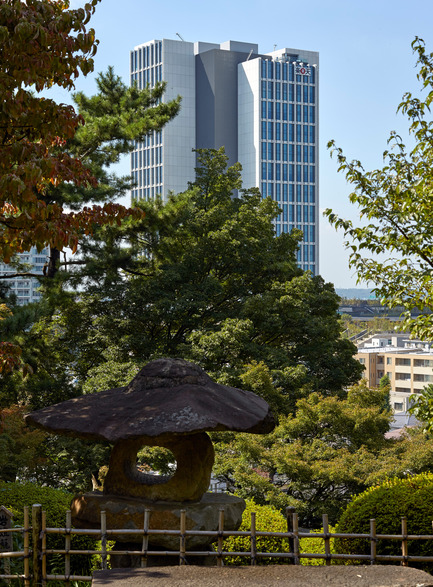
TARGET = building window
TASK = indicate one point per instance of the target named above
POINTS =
(402, 361)
(389, 360)
(312, 95)
(423, 378)
(423, 363)
(270, 90)
(398, 406)
(402, 376)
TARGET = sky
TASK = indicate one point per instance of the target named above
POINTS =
(366, 65)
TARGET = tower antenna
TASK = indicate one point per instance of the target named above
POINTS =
(180, 37)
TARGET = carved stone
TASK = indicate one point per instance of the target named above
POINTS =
(128, 513)
(194, 454)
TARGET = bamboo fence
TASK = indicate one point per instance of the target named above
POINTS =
(34, 553)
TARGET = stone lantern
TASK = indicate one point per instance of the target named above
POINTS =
(170, 403)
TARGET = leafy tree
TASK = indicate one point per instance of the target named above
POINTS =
(422, 407)
(19, 446)
(201, 277)
(396, 203)
(115, 116)
(315, 459)
(204, 277)
(42, 44)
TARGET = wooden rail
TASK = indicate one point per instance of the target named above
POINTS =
(34, 557)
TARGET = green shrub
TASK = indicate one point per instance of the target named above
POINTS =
(411, 497)
(55, 502)
(315, 545)
(268, 519)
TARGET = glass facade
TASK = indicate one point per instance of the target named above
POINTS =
(276, 146)
(147, 157)
(289, 149)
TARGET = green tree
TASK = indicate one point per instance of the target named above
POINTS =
(201, 277)
(115, 116)
(422, 407)
(204, 277)
(315, 459)
(396, 202)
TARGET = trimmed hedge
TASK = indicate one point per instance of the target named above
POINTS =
(268, 519)
(55, 502)
(411, 497)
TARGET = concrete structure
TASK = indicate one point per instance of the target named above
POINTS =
(263, 108)
(408, 364)
(26, 288)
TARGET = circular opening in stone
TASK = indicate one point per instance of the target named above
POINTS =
(155, 464)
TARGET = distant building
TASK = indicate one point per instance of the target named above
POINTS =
(262, 108)
(408, 364)
(26, 288)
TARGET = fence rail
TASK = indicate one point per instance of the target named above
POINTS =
(34, 552)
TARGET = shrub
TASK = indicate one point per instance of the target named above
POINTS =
(411, 497)
(55, 502)
(315, 545)
(268, 519)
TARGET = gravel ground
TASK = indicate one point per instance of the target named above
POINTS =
(270, 576)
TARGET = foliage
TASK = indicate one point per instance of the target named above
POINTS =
(315, 459)
(19, 446)
(203, 277)
(312, 545)
(55, 503)
(268, 519)
(387, 503)
(422, 407)
(42, 44)
(396, 203)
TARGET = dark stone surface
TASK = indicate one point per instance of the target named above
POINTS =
(167, 397)
(128, 514)
(269, 576)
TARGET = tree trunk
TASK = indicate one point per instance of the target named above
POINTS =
(52, 266)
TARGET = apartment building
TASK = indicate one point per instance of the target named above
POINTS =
(26, 288)
(408, 364)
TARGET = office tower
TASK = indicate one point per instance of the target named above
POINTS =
(263, 108)
(26, 288)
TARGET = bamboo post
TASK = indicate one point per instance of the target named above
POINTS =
(404, 541)
(145, 544)
(373, 541)
(253, 539)
(220, 561)
(295, 538)
(37, 543)
(44, 548)
(327, 540)
(182, 545)
(289, 517)
(103, 540)
(68, 546)
(26, 547)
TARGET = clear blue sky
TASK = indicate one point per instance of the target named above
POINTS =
(366, 65)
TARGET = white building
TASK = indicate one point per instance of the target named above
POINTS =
(263, 108)
(408, 364)
(26, 288)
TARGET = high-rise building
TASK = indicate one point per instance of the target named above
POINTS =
(263, 108)
(26, 288)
